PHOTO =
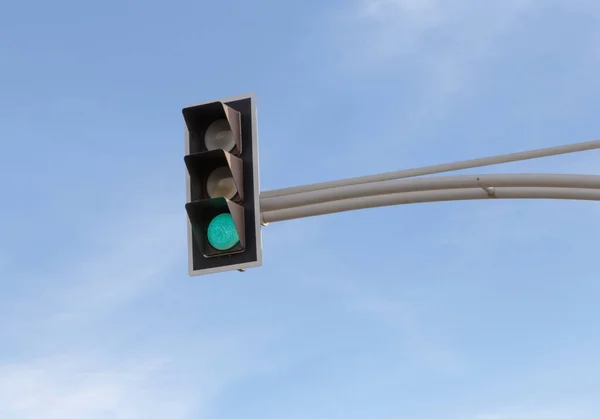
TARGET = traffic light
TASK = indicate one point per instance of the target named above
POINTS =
(222, 182)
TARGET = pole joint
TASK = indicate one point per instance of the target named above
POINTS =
(489, 190)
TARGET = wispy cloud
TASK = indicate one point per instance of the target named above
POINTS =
(389, 29)
(127, 257)
(472, 64)
(183, 383)
(79, 388)
(404, 318)
(63, 362)
(450, 45)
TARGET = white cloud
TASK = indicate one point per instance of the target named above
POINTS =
(58, 388)
(437, 56)
(447, 42)
(397, 26)
(139, 251)
(391, 28)
(123, 258)
(181, 385)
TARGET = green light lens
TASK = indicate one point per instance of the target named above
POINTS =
(222, 234)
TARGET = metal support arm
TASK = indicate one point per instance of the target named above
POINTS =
(440, 168)
(428, 196)
(427, 184)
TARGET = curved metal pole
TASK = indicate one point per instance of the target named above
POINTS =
(429, 196)
(430, 183)
(440, 168)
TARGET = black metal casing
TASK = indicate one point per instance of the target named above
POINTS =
(243, 162)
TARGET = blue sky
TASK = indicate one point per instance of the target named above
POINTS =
(463, 310)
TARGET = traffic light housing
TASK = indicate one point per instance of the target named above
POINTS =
(222, 185)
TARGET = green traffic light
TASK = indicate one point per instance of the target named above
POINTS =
(222, 234)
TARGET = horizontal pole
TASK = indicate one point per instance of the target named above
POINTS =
(440, 168)
(428, 196)
(430, 183)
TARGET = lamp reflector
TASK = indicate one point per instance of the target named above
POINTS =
(219, 136)
(220, 183)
